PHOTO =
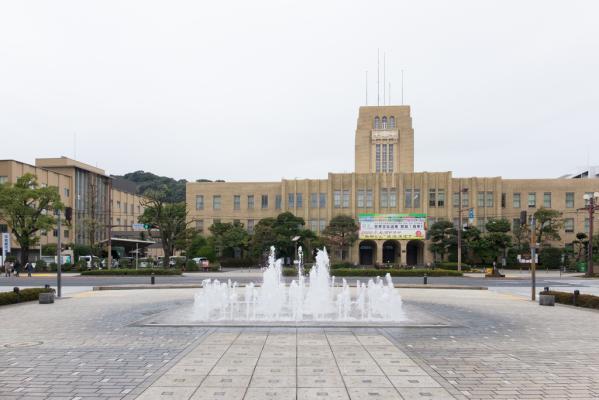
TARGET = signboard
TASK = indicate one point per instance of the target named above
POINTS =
(139, 227)
(526, 258)
(471, 216)
(6, 242)
(392, 226)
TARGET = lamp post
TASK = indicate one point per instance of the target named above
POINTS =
(462, 190)
(592, 200)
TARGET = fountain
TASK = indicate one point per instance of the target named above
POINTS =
(318, 300)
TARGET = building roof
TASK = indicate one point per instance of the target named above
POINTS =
(65, 162)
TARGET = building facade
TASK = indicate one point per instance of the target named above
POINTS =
(385, 183)
(97, 207)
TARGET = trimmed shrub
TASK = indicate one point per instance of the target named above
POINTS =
(144, 271)
(23, 295)
(550, 257)
(453, 266)
(40, 266)
(239, 262)
(583, 300)
(377, 272)
(344, 265)
(191, 266)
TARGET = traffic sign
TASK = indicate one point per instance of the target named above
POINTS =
(140, 227)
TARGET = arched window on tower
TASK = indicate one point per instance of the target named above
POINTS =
(377, 122)
(391, 122)
(384, 122)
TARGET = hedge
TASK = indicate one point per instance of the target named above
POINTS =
(239, 262)
(583, 300)
(453, 266)
(145, 271)
(377, 272)
(22, 296)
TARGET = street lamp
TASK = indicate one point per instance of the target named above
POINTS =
(592, 204)
(462, 191)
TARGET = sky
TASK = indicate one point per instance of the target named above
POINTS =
(263, 90)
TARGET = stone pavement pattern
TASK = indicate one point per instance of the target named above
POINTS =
(90, 346)
(288, 366)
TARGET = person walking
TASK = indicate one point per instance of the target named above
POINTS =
(17, 268)
(29, 268)
(7, 268)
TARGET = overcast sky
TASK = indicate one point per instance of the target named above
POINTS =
(263, 90)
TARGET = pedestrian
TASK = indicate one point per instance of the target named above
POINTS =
(17, 268)
(29, 268)
(7, 268)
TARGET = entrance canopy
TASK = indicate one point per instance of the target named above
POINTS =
(130, 245)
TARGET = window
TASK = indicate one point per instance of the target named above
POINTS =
(390, 161)
(378, 157)
(515, 224)
(432, 197)
(264, 201)
(236, 202)
(441, 198)
(139, 209)
(250, 226)
(126, 208)
(384, 200)
(346, 199)
(216, 202)
(66, 233)
(456, 199)
(532, 199)
(377, 122)
(55, 232)
(516, 200)
(569, 224)
(465, 200)
(323, 200)
(313, 200)
(503, 200)
(313, 225)
(391, 122)
(200, 225)
(490, 201)
(4, 228)
(199, 202)
(392, 197)
(337, 199)
(408, 198)
(299, 201)
(361, 198)
(384, 163)
(586, 226)
(118, 221)
(216, 221)
(132, 208)
(416, 198)
(322, 224)
(250, 201)
(278, 201)
(236, 222)
(480, 202)
(3, 179)
(369, 198)
(384, 123)
(547, 199)
(67, 192)
(291, 200)
(480, 223)
(118, 205)
(570, 200)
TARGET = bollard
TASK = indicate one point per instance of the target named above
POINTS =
(546, 288)
(425, 278)
(16, 290)
(575, 299)
(153, 279)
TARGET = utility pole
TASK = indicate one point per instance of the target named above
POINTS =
(59, 263)
(109, 226)
(533, 254)
(462, 190)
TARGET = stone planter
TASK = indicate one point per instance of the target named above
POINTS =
(546, 300)
(46, 298)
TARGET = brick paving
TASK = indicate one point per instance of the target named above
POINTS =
(498, 347)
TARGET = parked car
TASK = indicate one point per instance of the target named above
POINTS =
(91, 261)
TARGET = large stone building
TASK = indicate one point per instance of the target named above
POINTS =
(97, 207)
(383, 185)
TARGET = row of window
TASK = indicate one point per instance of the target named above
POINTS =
(127, 208)
(388, 198)
(384, 123)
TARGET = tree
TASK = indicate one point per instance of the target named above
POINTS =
(27, 208)
(279, 232)
(170, 219)
(229, 237)
(341, 233)
(548, 224)
(498, 239)
(443, 236)
(580, 246)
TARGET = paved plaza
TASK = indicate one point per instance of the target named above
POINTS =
(94, 345)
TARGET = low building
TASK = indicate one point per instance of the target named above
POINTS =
(393, 203)
(96, 207)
